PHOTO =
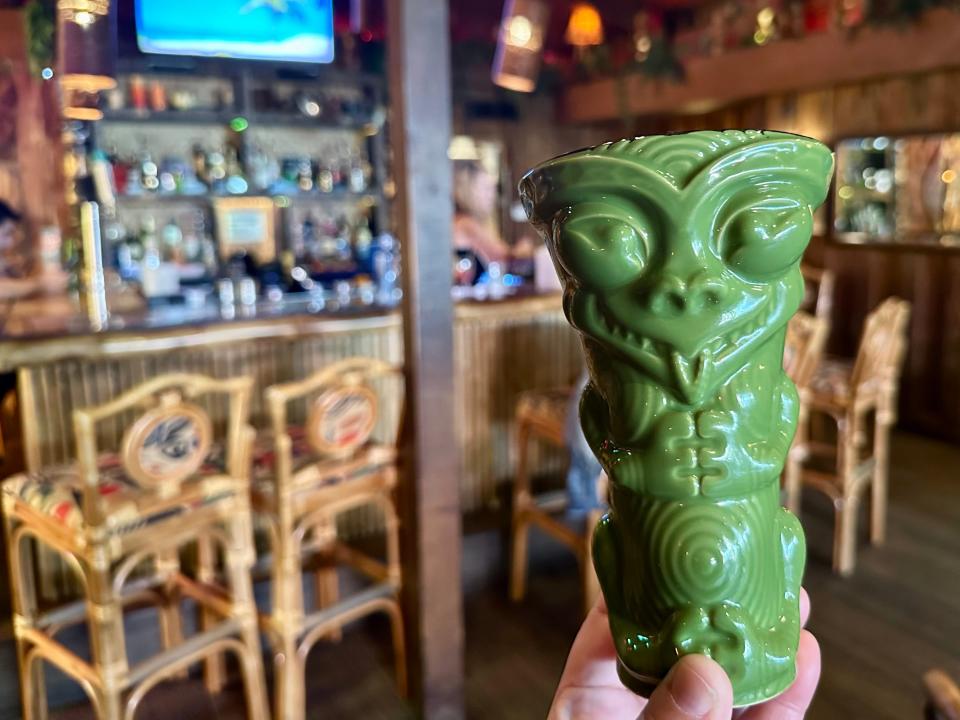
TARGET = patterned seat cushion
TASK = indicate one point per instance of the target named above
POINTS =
(831, 381)
(310, 468)
(58, 493)
(265, 455)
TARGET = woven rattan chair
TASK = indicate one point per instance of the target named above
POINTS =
(170, 483)
(851, 395)
(308, 476)
(542, 415)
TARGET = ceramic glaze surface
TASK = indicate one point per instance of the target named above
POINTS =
(679, 256)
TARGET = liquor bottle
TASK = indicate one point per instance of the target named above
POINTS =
(358, 174)
(309, 240)
(236, 183)
(216, 171)
(200, 168)
(151, 258)
(325, 177)
(172, 237)
(149, 173)
(386, 269)
(362, 245)
(344, 248)
(305, 175)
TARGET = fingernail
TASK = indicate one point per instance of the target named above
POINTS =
(692, 694)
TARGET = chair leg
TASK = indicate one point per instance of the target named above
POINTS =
(879, 490)
(399, 648)
(170, 620)
(518, 560)
(392, 532)
(239, 561)
(793, 472)
(793, 484)
(327, 586)
(326, 583)
(107, 641)
(111, 705)
(519, 526)
(289, 680)
(845, 536)
(33, 690)
(214, 667)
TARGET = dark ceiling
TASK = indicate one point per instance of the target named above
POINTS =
(479, 18)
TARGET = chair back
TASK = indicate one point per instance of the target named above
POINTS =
(883, 347)
(170, 440)
(343, 409)
(804, 347)
(818, 286)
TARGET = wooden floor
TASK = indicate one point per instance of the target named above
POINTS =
(880, 630)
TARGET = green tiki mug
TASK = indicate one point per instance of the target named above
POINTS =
(679, 257)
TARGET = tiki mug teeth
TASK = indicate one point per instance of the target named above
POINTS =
(679, 257)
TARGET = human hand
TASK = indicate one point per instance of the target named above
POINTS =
(696, 688)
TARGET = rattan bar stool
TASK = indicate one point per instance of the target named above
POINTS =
(168, 484)
(851, 395)
(541, 414)
(308, 476)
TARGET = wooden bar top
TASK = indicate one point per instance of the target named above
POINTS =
(46, 329)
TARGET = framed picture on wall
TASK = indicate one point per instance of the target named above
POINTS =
(246, 224)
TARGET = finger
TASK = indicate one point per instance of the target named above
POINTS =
(696, 688)
(804, 607)
(592, 659)
(590, 687)
(792, 704)
(589, 703)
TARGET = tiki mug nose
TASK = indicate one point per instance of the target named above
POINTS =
(673, 296)
(704, 290)
(668, 296)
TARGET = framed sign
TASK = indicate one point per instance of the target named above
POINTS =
(246, 224)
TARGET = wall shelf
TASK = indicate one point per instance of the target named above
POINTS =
(816, 61)
(223, 117)
(371, 197)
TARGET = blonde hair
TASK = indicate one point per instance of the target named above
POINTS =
(465, 173)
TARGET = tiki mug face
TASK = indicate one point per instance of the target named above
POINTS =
(679, 256)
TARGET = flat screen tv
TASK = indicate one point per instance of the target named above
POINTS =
(284, 30)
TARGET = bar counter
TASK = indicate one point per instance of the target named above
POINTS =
(502, 348)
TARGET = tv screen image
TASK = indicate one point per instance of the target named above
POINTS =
(284, 30)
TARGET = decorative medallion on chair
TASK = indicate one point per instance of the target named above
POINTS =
(167, 444)
(342, 419)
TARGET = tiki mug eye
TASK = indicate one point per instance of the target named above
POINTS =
(601, 244)
(763, 240)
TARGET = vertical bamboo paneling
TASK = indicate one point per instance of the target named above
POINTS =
(502, 350)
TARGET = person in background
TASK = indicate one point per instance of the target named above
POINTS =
(476, 241)
(14, 265)
(583, 492)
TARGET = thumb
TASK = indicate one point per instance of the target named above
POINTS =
(696, 688)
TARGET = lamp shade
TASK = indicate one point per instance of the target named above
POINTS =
(86, 45)
(516, 65)
(585, 26)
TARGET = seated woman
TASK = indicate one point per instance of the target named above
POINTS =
(476, 241)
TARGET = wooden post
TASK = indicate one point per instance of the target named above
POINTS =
(419, 68)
